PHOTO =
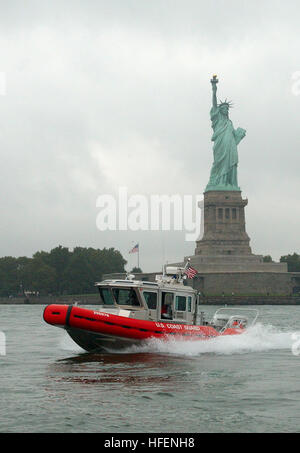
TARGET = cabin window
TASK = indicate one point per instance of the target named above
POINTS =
(151, 300)
(106, 296)
(189, 303)
(180, 303)
(167, 305)
(125, 296)
(167, 298)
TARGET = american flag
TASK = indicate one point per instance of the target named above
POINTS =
(135, 249)
(190, 272)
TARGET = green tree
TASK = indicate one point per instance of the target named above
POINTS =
(59, 271)
(267, 259)
(293, 262)
(43, 278)
(57, 260)
(136, 270)
(9, 284)
(78, 275)
(25, 273)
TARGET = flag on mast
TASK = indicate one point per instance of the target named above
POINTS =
(190, 272)
(135, 249)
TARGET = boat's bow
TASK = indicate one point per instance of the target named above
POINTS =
(57, 315)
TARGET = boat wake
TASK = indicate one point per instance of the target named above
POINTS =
(258, 338)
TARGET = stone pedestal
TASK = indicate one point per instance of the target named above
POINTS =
(224, 225)
(224, 247)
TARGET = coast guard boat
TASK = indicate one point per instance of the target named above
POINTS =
(132, 312)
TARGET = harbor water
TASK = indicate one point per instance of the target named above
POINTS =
(243, 383)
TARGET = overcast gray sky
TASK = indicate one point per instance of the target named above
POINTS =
(103, 94)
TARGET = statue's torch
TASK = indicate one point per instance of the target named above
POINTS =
(214, 80)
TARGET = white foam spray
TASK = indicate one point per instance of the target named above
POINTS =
(257, 338)
(67, 344)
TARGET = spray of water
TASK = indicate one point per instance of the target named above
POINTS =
(257, 338)
(67, 344)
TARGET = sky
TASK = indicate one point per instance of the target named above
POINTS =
(100, 95)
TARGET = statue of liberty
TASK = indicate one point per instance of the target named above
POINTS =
(223, 175)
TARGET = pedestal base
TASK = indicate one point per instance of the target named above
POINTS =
(243, 263)
(224, 225)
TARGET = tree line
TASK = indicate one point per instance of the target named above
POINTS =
(293, 261)
(58, 272)
(62, 272)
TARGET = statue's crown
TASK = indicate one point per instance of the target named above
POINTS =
(228, 103)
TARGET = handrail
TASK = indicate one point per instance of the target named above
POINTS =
(236, 315)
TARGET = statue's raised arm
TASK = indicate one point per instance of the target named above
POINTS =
(214, 82)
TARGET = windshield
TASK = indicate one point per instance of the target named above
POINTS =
(106, 296)
(125, 296)
(151, 299)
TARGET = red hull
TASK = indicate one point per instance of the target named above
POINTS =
(69, 316)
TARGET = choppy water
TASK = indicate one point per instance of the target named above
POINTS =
(247, 383)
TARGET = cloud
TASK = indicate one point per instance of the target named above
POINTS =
(104, 94)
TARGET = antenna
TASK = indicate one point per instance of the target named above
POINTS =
(163, 247)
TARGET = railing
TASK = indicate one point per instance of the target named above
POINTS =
(236, 316)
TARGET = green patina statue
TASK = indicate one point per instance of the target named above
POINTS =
(223, 174)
